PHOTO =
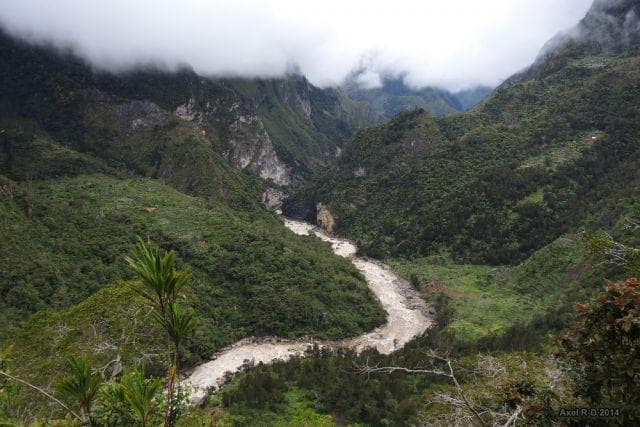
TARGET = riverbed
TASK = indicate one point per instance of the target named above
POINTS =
(408, 316)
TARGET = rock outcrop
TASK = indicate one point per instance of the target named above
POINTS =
(250, 148)
(136, 115)
(188, 111)
(272, 198)
(324, 218)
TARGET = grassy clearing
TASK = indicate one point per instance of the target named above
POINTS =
(487, 300)
(481, 304)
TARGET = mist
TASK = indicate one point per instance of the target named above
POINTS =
(454, 45)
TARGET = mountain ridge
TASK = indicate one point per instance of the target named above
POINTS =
(394, 96)
(462, 182)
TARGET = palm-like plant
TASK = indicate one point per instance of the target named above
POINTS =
(179, 324)
(161, 282)
(81, 387)
(133, 397)
(161, 285)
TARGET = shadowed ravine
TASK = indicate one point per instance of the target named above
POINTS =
(407, 318)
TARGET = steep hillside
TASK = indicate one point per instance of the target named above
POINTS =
(64, 243)
(496, 216)
(279, 129)
(89, 161)
(469, 98)
(611, 27)
(547, 153)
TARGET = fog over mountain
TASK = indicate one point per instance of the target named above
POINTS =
(454, 44)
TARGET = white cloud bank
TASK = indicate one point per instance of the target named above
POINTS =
(452, 43)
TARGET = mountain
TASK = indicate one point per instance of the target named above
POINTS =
(90, 160)
(610, 28)
(469, 98)
(278, 129)
(550, 151)
(497, 216)
(394, 96)
(514, 219)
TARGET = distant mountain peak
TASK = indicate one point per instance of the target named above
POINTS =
(394, 95)
(609, 27)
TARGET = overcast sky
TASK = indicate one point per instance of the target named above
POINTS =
(448, 43)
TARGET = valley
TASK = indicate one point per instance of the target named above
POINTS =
(257, 246)
(407, 318)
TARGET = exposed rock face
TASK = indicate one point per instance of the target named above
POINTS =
(250, 148)
(272, 198)
(324, 218)
(279, 129)
(188, 111)
(140, 114)
(296, 94)
(232, 125)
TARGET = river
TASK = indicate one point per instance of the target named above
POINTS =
(407, 317)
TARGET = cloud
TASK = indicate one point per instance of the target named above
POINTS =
(452, 44)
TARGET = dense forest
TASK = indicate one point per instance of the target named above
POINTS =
(538, 159)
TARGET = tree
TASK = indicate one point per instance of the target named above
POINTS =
(614, 252)
(445, 369)
(161, 284)
(604, 347)
(81, 387)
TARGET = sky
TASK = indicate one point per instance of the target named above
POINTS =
(453, 44)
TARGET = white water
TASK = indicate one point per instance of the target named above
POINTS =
(406, 319)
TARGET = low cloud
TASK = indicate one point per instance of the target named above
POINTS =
(453, 44)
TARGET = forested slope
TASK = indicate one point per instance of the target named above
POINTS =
(549, 152)
(89, 161)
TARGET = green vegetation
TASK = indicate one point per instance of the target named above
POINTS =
(81, 388)
(113, 324)
(483, 302)
(504, 218)
(563, 154)
(132, 400)
(498, 325)
(295, 409)
(251, 276)
(603, 345)
(488, 303)
(108, 326)
(306, 124)
(89, 161)
(162, 287)
(538, 159)
(469, 98)
(128, 119)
